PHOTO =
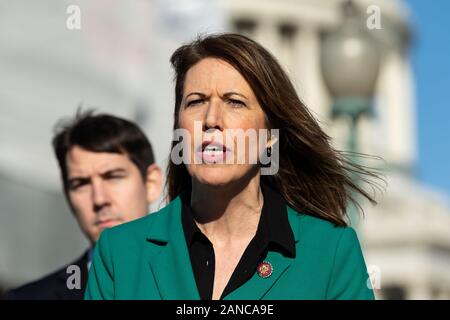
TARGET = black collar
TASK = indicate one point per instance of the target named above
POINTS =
(273, 228)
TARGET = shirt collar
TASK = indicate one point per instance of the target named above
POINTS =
(191, 230)
(273, 227)
(275, 218)
(89, 257)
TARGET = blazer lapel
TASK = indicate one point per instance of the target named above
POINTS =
(257, 287)
(171, 266)
(170, 263)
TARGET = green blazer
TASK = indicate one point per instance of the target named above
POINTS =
(148, 259)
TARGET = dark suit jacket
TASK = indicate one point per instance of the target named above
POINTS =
(53, 286)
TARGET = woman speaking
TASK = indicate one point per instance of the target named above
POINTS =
(229, 231)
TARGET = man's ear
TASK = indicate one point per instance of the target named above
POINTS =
(153, 182)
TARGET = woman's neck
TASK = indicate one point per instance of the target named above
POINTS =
(228, 212)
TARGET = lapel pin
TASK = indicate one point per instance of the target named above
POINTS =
(265, 269)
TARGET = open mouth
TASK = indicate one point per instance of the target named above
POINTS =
(212, 152)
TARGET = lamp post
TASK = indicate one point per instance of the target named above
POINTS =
(350, 61)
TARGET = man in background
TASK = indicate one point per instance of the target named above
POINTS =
(109, 177)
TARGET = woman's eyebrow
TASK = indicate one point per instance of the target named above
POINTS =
(225, 95)
(202, 95)
(231, 93)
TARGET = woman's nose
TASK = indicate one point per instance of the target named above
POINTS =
(213, 116)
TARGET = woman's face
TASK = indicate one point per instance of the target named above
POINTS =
(218, 99)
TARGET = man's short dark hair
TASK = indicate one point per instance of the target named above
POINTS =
(101, 133)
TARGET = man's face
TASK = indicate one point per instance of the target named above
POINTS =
(104, 189)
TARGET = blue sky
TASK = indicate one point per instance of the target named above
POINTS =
(431, 63)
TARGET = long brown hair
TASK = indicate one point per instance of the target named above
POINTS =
(313, 177)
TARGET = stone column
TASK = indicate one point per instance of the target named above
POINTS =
(307, 73)
(397, 110)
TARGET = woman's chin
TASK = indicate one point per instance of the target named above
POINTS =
(214, 177)
(213, 181)
(221, 176)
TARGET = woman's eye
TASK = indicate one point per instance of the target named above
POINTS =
(236, 103)
(194, 102)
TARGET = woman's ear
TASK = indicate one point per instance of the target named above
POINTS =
(153, 182)
(271, 141)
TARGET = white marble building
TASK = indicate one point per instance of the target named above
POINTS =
(118, 62)
(406, 238)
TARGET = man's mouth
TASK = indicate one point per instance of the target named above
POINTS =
(106, 223)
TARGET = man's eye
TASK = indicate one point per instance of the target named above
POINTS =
(113, 176)
(194, 102)
(236, 103)
(77, 185)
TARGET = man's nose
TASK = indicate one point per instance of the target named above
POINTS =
(99, 195)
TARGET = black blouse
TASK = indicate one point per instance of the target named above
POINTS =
(274, 232)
